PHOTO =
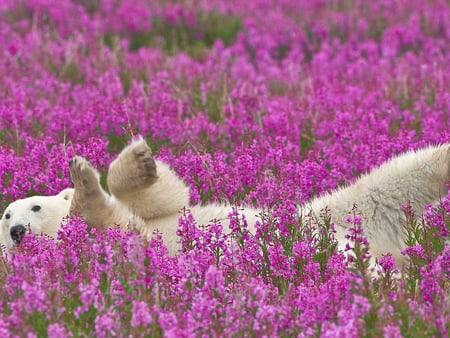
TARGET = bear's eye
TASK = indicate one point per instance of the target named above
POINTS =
(7, 216)
(36, 208)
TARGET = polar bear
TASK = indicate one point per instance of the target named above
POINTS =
(146, 194)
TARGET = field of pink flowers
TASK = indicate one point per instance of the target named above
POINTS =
(262, 102)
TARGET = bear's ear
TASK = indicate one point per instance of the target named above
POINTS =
(66, 194)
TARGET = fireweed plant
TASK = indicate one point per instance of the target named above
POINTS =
(261, 103)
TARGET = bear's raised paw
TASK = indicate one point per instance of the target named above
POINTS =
(145, 163)
(84, 177)
(134, 168)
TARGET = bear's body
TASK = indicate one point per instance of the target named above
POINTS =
(417, 176)
(147, 195)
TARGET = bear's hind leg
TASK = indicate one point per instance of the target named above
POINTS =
(133, 169)
(149, 188)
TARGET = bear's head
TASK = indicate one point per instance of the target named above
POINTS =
(40, 214)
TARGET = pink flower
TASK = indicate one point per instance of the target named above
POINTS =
(140, 314)
(387, 263)
(106, 325)
(392, 331)
(57, 330)
(415, 250)
(35, 298)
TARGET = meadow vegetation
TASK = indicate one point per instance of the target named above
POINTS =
(261, 102)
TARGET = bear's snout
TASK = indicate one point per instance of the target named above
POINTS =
(17, 232)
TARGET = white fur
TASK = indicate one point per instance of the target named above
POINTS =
(44, 221)
(148, 195)
(419, 176)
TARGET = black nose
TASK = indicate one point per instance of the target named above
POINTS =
(17, 233)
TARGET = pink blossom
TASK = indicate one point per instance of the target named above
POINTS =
(392, 331)
(56, 330)
(387, 263)
(106, 324)
(415, 250)
(140, 314)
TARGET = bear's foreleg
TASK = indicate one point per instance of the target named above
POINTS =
(90, 201)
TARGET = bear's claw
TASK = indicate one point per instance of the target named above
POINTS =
(146, 166)
(84, 177)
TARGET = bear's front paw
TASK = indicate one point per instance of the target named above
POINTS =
(84, 177)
